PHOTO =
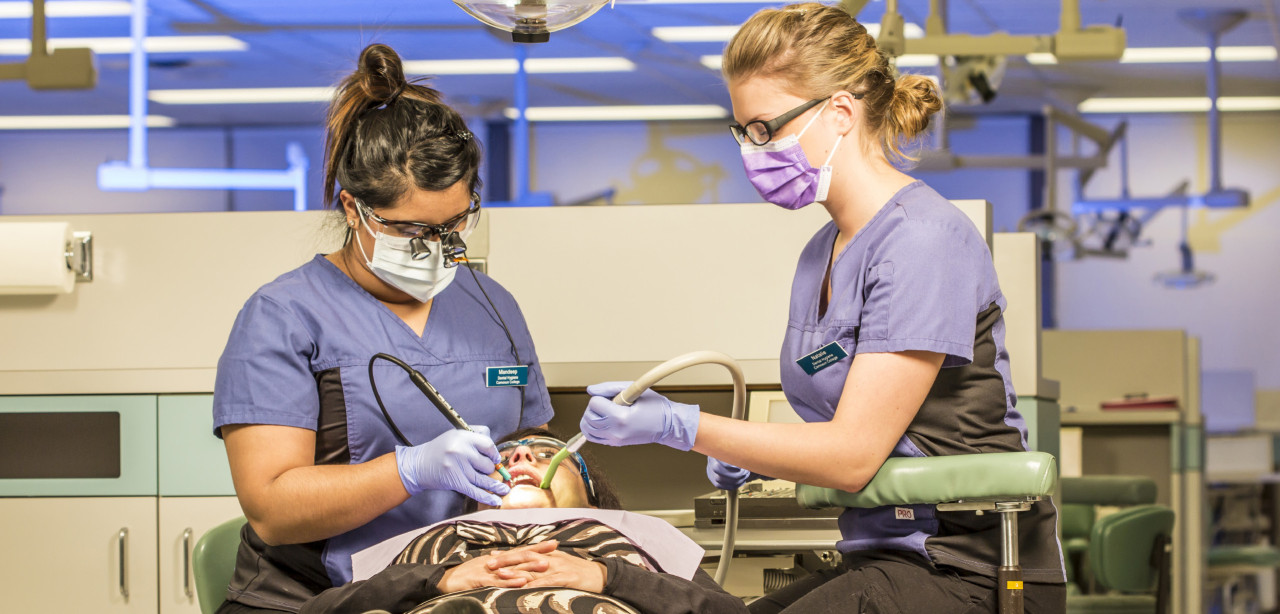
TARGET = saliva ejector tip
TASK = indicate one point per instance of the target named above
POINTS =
(555, 464)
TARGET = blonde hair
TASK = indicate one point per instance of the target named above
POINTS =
(818, 50)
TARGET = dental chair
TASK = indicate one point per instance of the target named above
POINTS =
(1122, 559)
(1240, 551)
(213, 562)
(1004, 483)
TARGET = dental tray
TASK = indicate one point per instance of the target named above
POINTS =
(763, 505)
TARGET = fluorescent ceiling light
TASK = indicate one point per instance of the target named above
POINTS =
(1193, 104)
(258, 95)
(722, 34)
(622, 113)
(121, 45)
(701, 1)
(1170, 55)
(910, 60)
(695, 34)
(1178, 55)
(76, 122)
(915, 60)
(508, 66)
(66, 8)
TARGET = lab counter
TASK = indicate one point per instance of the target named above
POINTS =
(764, 541)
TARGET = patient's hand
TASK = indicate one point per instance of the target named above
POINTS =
(510, 569)
(570, 571)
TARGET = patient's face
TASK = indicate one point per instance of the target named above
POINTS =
(527, 461)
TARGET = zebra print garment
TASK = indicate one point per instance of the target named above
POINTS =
(455, 543)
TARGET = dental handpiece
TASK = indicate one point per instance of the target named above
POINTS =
(449, 412)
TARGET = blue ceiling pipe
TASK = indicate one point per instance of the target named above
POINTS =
(135, 175)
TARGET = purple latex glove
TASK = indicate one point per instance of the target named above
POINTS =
(653, 418)
(457, 460)
(730, 477)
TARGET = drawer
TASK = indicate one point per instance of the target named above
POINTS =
(64, 446)
(193, 462)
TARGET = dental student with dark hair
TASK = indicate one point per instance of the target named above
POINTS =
(331, 452)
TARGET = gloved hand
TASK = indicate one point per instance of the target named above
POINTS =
(458, 460)
(653, 418)
(729, 477)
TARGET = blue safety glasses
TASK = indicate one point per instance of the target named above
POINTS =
(544, 449)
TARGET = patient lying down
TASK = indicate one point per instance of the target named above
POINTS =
(569, 548)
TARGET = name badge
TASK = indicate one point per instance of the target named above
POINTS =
(822, 358)
(507, 376)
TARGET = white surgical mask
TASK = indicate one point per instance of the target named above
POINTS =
(394, 264)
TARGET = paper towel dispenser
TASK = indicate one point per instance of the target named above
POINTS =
(43, 258)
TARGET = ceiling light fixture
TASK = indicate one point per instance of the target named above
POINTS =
(1178, 55)
(621, 113)
(910, 60)
(123, 45)
(530, 21)
(1196, 55)
(66, 8)
(77, 122)
(257, 95)
(722, 34)
(508, 66)
(1173, 104)
(701, 1)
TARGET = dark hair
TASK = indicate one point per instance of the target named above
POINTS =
(606, 496)
(386, 135)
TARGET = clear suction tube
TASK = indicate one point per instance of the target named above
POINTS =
(679, 363)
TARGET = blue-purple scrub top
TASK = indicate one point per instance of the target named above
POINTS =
(919, 276)
(298, 356)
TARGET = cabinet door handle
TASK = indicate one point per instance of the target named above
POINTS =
(186, 563)
(122, 538)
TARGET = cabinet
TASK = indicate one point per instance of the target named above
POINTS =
(113, 534)
(182, 521)
(91, 554)
(196, 493)
(1166, 445)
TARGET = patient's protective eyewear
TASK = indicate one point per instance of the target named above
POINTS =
(543, 449)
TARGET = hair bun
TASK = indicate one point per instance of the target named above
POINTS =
(381, 74)
(915, 99)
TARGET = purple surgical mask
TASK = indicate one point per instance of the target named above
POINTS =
(782, 174)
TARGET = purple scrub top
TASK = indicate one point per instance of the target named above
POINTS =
(298, 356)
(919, 276)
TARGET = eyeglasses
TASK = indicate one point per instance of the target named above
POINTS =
(761, 131)
(421, 233)
(422, 230)
(543, 450)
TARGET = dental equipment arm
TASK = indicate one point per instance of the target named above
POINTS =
(632, 393)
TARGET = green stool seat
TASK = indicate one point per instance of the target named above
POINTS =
(1111, 604)
(1120, 490)
(213, 562)
(946, 479)
(1002, 482)
(1244, 556)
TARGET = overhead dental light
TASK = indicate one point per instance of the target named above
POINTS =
(531, 21)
